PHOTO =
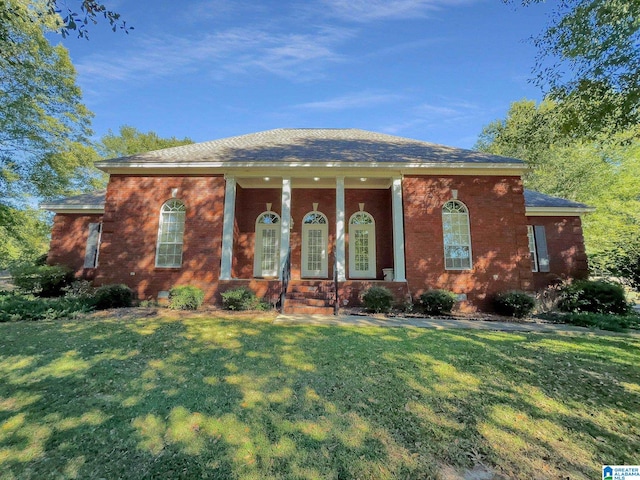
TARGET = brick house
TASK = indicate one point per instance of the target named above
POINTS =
(334, 210)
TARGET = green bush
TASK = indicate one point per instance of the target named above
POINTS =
(15, 307)
(185, 297)
(437, 302)
(514, 304)
(603, 321)
(113, 296)
(593, 296)
(240, 298)
(377, 299)
(79, 289)
(42, 280)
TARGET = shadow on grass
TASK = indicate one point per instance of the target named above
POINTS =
(219, 398)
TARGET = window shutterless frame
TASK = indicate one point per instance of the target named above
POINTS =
(267, 245)
(456, 236)
(362, 246)
(170, 234)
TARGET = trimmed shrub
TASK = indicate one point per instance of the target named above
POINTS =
(514, 304)
(603, 321)
(437, 302)
(16, 307)
(240, 298)
(42, 280)
(79, 289)
(593, 296)
(113, 296)
(41, 260)
(185, 297)
(378, 299)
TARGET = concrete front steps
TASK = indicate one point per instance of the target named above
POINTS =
(310, 297)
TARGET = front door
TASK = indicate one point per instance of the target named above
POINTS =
(314, 245)
(362, 246)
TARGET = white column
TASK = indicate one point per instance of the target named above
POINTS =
(398, 230)
(227, 228)
(340, 240)
(285, 223)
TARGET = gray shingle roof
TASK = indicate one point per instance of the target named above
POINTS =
(537, 199)
(85, 201)
(309, 145)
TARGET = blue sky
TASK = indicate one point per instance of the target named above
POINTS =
(433, 70)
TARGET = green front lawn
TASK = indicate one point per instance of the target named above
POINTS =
(238, 397)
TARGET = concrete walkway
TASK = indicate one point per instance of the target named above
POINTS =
(436, 323)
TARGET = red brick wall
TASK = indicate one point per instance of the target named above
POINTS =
(130, 229)
(69, 241)
(567, 256)
(500, 253)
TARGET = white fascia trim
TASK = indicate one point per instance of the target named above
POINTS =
(72, 209)
(111, 166)
(557, 211)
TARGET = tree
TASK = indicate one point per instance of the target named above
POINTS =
(67, 19)
(25, 237)
(41, 112)
(591, 51)
(601, 172)
(131, 141)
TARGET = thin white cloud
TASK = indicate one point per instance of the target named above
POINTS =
(371, 10)
(350, 101)
(235, 51)
(430, 115)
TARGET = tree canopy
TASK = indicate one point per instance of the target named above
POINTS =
(75, 18)
(589, 60)
(601, 172)
(41, 109)
(131, 141)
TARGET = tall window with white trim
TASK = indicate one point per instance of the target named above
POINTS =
(457, 236)
(93, 245)
(362, 246)
(532, 248)
(170, 234)
(267, 246)
(314, 244)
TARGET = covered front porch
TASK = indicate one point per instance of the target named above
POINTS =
(316, 234)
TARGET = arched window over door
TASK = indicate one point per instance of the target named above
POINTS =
(362, 246)
(267, 245)
(315, 233)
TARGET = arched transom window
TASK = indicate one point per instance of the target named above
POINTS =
(314, 218)
(457, 237)
(362, 246)
(170, 234)
(267, 245)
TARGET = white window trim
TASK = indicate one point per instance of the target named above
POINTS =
(257, 252)
(93, 255)
(444, 244)
(371, 228)
(158, 242)
(324, 272)
(533, 251)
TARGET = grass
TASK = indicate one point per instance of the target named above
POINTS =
(199, 396)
